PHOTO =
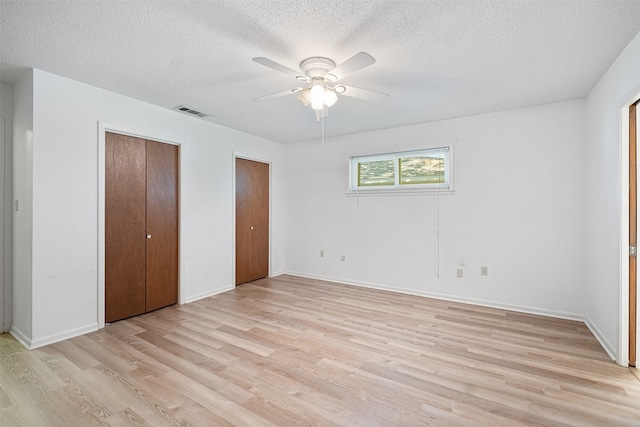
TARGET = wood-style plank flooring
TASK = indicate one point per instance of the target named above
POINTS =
(295, 352)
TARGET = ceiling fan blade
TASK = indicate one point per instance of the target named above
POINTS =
(356, 63)
(278, 67)
(278, 94)
(367, 95)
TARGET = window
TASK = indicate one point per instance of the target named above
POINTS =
(425, 170)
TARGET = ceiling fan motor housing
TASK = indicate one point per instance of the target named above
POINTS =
(317, 66)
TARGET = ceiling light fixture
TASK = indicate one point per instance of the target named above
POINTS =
(321, 74)
(318, 95)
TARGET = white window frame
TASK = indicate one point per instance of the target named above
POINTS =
(446, 186)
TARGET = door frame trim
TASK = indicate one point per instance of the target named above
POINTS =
(103, 128)
(5, 309)
(238, 155)
(622, 356)
(633, 220)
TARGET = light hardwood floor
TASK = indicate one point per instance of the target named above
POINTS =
(288, 351)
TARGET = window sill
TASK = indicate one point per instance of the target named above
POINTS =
(412, 192)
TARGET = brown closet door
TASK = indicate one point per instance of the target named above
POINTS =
(162, 225)
(141, 226)
(252, 220)
(260, 214)
(244, 221)
(125, 195)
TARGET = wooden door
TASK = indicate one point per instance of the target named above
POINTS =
(141, 226)
(252, 220)
(125, 226)
(260, 211)
(162, 225)
(244, 220)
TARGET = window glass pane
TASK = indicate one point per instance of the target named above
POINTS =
(422, 170)
(376, 173)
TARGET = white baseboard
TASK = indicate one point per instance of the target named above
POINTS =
(603, 341)
(20, 336)
(32, 344)
(447, 297)
(208, 294)
(41, 342)
(220, 290)
(606, 345)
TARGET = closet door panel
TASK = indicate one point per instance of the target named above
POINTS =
(162, 225)
(260, 213)
(252, 220)
(125, 199)
(244, 221)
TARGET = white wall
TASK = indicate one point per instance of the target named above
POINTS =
(6, 111)
(65, 199)
(607, 183)
(518, 208)
(22, 324)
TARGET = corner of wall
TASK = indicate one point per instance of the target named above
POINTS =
(606, 345)
(6, 112)
(22, 301)
(20, 336)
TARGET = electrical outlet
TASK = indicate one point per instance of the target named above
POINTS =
(459, 273)
(342, 258)
(484, 270)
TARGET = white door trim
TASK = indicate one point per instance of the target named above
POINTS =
(3, 321)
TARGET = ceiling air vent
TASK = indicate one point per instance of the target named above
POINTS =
(190, 111)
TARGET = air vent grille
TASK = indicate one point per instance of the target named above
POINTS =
(190, 111)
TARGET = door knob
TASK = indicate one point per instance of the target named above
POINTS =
(252, 227)
(148, 236)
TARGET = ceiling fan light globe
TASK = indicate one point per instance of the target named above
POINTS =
(317, 97)
(330, 97)
(304, 96)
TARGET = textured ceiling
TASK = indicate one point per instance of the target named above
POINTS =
(436, 59)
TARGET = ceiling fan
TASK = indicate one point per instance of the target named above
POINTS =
(321, 75)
